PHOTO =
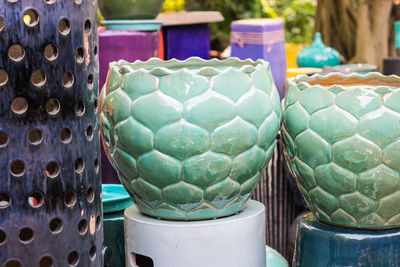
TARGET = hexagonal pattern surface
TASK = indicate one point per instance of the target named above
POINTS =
(342, 145)
(190, 140)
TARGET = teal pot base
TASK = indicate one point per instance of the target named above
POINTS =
(192, 211)
(318, 244)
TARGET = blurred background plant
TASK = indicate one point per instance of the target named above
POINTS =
(173, 5)
(297, 14)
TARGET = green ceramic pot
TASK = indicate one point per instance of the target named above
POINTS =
(190, 139)
(342, 143)
(130, 9)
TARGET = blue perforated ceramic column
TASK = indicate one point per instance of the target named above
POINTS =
(50, 203)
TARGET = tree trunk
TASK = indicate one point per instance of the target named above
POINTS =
(372, 42)
(336, 20)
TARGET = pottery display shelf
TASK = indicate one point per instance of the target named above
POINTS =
(348, 175)
(237, 240)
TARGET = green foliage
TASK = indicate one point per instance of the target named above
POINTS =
(299, 21)
(231, 10)
(298, 16)
(173, 5)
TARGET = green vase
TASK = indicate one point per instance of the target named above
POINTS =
(190, 139)
(130, 9)
(318, 55)
(342, 143)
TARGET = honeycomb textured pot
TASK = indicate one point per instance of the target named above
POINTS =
(190, 139)
(342, 143)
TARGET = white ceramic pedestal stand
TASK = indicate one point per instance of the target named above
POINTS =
(234, 241)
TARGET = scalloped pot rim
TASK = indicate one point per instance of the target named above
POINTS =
(344, 81)
(195, 65)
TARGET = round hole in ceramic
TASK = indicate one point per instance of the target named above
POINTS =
(31, 18)
(73, 258)
(64, 27)
(36, 199)
(3, 77)
(5, 200)
(35, 137)
(53, 106)
(17, 168)
(16, 52)
(83, 226)
(19, 105)
(70, 198)
(56, 225)
(46, 261)
(26, 235)
(38, 78)
(66, 135)
(3, 139)
(52, 169)
(51, 52)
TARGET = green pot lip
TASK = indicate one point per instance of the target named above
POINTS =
(387, 81)
(199, 66)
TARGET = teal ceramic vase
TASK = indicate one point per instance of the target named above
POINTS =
(397, 36)
(130, 9)
(190, 139)
(318, 55)
(342, 144)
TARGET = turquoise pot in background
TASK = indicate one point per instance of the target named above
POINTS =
(397, 36)
(190, 139)
(318, 55)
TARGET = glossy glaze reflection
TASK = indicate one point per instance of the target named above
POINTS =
(341, 136)
(190, 139)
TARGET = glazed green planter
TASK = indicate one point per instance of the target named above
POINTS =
(342, 143)
(130, 9)
(190, 139)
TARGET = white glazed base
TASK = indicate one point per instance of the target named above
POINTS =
(234, 241)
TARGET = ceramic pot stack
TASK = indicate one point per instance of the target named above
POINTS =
(130, 29)
(341, 136)
(50, 185)
(190, 140)
(115, 200)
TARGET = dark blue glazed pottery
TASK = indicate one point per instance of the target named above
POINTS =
(319, 244)
(50, 203)
(184, 41)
